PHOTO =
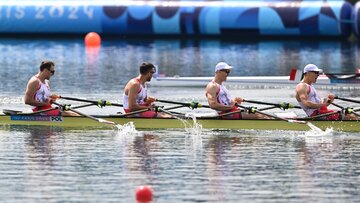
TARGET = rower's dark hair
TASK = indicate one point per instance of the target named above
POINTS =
(146, 67)
(46, 64)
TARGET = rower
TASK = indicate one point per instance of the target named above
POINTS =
(135, 96)
(310, 101)
(38, 93)
(219, 97)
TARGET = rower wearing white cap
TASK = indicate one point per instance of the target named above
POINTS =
(309, 99)
(219, 97)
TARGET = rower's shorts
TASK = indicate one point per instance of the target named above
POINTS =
(146, 114)
(234, 116)
(324, 110)
(54, 112)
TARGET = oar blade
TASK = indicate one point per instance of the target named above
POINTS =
(296, 121)
(106, 121)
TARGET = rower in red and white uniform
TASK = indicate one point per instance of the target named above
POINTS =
(135, 96)
(310, 101)
(219, 97)
(38, 93)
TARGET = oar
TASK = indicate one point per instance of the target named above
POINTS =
(254, 110)
(38, 112)
(67, 108)
(100, 103)
(267, 108)
(319, 116)
(148, 109)
(337, 105)
(171, 113)
(53, 108)
(348, 100)
(347, 110)
(14, 112)
(174, 107)
(283, 105)
(355, 112)
(192, 105)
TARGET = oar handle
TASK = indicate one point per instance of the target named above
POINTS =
(348, 100)
(255, 110)
(192, 105)
(282, 105)
(337, 105)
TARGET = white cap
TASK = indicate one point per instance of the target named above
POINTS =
(312, 67)
(222, 66)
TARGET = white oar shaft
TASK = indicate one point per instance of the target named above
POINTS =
(88, 116)
(92, 117)
(284, 119)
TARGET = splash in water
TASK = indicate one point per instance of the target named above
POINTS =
(315, 131)
(127, 128)
(194, 131)
(193, 127)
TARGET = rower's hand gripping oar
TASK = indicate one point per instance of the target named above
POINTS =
(100, 103)
(68, 108)
(191, 105)
(255, 110)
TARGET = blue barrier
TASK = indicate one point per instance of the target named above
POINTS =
(356, 19)
(238, 18)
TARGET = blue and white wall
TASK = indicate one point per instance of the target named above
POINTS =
(201, 17)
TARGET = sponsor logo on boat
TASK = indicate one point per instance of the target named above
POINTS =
(37, 118)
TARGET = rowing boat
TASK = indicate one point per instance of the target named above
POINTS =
(170, 123)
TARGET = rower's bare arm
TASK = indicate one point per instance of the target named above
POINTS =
(211, 97)
(150, 100)
(132, 93)
(301, 91)
(31, 89)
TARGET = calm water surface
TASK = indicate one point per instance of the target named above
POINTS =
(44, 164)
(107, 69)
(51, 165)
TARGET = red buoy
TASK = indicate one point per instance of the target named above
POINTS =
(144, 193)
(92, 39)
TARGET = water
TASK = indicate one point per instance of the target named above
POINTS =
(46, 164)
(49, 165)
(108, 69)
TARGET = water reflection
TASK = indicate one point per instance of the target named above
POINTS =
(110, 67)
(102, 165)
(218, 165)
(92, 57)
(40, 148)
(144, 146)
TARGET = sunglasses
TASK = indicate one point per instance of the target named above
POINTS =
(226, 71)
(316, 72)
(52, 71)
